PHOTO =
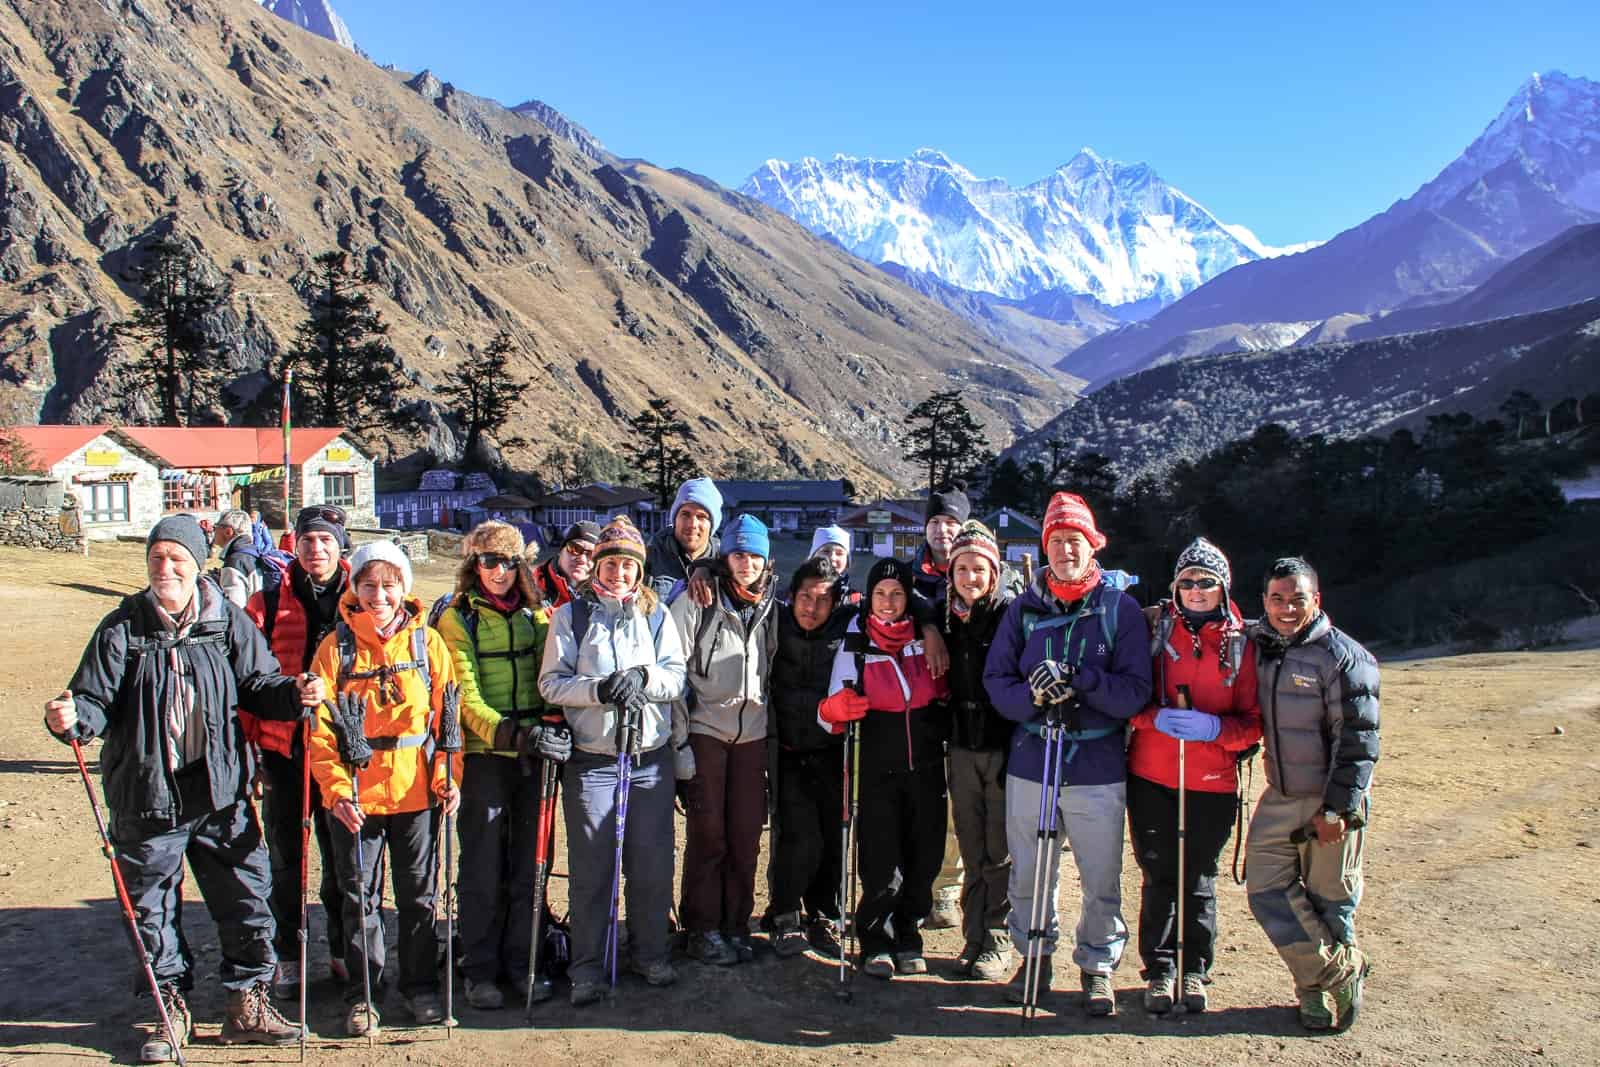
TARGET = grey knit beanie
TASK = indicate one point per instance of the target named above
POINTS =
(183, 529)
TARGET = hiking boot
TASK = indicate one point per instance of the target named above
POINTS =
(157, 1048)
(1316, 1011)
(485, 996)
(946, 913)
(742, 946)
(543, 988)
(586, 993)
(788, 940)
(1346, 996)
(359, 1021)
(878, 965)
(425, 1007)
(969, 956)
(1098, 999)
(910, 961)
(994, 960)
(252, 1020)
(657, 973)
(1194, 993)
(1159, 993)
(824, 936)
(286, 979)
(1015, 987)
(711, 947)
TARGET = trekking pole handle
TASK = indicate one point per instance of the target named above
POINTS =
(1185, 699)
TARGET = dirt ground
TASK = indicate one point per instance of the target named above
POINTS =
(1482, 911)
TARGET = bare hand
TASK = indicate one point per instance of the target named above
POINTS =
(61, 714)
(312, 691)
(349, 815)
(1330, 833)
(702, 590)
(935, 651)
(449, 796)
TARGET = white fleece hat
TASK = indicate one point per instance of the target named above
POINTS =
(830, 535)
(381, 551)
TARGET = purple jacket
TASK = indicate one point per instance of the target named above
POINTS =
(1113, 684)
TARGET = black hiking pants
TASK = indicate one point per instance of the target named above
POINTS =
(499, 829)
(410, 838)
(229, 861)
(281, 824)
(1153, 825)
(806, 861)
(899, 850)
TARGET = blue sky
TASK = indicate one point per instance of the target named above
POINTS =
(1297, 125)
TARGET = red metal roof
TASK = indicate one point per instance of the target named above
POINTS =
(229, 446)
(52, 444)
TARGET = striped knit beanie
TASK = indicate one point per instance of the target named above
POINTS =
(1203, 555)
(976, 538)
(620, 538)
(1069, 511)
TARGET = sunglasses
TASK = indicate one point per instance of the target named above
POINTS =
(577, 550)
(325, 512)
(493, 561)
(1205, 584)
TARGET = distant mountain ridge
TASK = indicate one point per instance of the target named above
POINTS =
(1533, 173)
(316, 16)
(1112, 231)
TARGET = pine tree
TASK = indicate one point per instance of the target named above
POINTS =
(347, 374)
(657, 449)
(15, 455)
(481, 391)
(945, 439)
(180, 366)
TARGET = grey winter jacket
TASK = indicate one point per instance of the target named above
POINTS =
(617, 638)
(665, 565)
(1319, 713)
(729, 665)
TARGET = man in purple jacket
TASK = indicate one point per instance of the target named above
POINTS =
(1076, 641)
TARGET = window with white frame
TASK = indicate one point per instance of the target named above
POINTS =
(339, 489)
(106, 502)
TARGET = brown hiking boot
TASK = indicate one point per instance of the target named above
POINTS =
(252, 1020)
(158, 1046)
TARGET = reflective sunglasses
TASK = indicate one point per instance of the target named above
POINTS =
(1205, 584)
(578, 549)
(494, 561)
(325, 512)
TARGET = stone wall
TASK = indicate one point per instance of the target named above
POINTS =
(32, 527)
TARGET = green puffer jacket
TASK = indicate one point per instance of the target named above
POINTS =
(499, 675)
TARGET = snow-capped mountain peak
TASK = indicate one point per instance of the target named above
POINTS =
(1114, 231)
(315, 16)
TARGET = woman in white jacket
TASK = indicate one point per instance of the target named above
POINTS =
(612, 651)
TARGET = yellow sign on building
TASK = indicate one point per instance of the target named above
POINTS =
(103, 458)
(339, 455)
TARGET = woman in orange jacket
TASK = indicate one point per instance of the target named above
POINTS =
(383, 653)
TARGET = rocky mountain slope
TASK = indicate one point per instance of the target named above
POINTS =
(1181, 410)
(1532, 174)
(261, 146)
(1112, 231)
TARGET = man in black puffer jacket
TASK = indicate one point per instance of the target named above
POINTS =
(1319, 713)
(806, 861)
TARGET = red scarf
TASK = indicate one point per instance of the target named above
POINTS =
(890, 637)
(1074, 591)
(505, 605)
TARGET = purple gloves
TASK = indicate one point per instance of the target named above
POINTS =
(1186, 724)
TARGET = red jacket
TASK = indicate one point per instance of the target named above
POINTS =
(1209, 766)
(552, 584)
(288, 640)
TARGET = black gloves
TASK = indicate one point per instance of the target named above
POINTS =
(546, 741)
(622, 688)
(350, 730)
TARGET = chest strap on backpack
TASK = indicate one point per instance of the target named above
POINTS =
(389, 686)
(1075, 736)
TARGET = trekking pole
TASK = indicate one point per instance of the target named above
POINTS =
(1044, 857)
(350, 731)
(1184, 701)
(450, 742)
(305, 871)
(627, 738)
(543, 853)
(848, 804)
(139, 949)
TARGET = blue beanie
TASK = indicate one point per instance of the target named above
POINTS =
(830, 535)
(746, 534)
(702, 492)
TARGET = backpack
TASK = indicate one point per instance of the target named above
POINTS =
(1117, 581)
(1162, 633)
(442, 605)
(468, 614)
(346, 639)
(583, 608)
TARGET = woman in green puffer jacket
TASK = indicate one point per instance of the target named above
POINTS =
(495, 628)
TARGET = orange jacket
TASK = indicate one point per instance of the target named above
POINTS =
(397, 780)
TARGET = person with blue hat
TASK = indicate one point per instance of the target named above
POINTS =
(687, 539)
(729, 646)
